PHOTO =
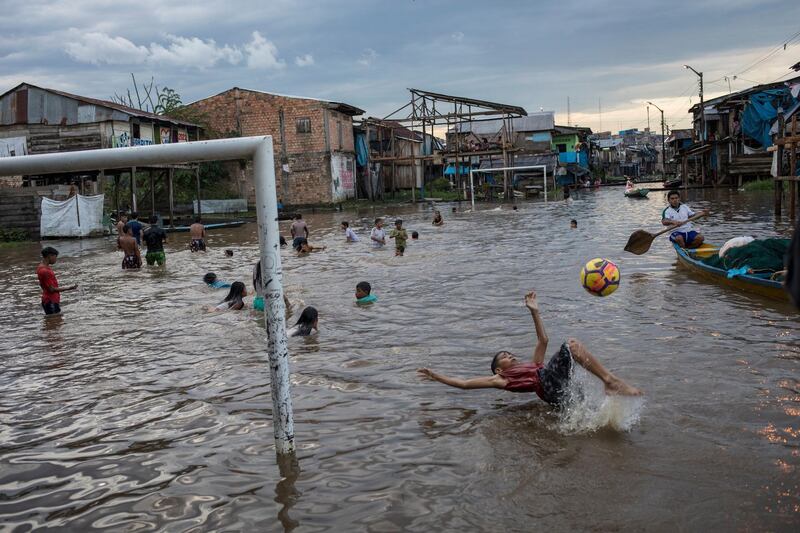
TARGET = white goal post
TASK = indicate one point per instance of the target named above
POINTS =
(543, 168)
(257, 149)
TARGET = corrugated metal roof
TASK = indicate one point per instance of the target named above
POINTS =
(543, 121)
(105, 103)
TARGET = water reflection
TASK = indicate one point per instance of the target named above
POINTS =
(286, 493)
(137, 410)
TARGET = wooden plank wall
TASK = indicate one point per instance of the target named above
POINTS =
(43, 139)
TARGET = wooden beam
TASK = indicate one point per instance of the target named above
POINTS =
(170, 175)
(133, 190)
(793, 172)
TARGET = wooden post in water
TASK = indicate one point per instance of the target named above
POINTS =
(778, 184)
(793, 172)
(152, 192)
(197, 182)
(133, 190)
(170, 175)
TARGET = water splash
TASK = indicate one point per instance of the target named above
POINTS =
(589, 408)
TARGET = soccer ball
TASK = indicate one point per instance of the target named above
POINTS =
(600, 277)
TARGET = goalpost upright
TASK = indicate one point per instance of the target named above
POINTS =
(472, 182)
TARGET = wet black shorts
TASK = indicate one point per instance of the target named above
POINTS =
(51, 308)
(555, 376)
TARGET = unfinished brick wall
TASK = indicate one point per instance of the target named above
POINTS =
(307, 154)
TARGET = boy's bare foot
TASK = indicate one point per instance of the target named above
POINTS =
(617, 386)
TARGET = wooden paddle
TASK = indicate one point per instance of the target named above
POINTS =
(640, 241)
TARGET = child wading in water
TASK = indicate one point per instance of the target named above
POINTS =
(51, 292)
(308, 321)
(349, 234)
(437, 218)
(549, 382)
(132, 258)
(234, 299)
(400, 237)
(378, 234)
(364, 293)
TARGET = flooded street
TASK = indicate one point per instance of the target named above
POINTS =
(138, 410)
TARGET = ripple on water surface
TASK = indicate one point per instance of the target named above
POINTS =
(140, 410)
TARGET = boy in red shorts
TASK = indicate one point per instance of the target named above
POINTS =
(549, 381)
(51, 292)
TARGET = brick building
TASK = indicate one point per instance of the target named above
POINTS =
(313, 141)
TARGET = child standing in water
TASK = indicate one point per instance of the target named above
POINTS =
(132, 258)
(400, 237)
(378, 234)
(349, 234)
(51, 292)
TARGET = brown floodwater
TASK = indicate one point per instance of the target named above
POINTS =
(138, 410)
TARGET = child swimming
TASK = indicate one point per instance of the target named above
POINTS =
(234, 299)
(211, 280)
(364, 293)
(308, 321)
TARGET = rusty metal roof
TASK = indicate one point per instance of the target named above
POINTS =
(494, 106)
(106, 103)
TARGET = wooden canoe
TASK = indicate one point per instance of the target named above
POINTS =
(746, 282)
(637, 193)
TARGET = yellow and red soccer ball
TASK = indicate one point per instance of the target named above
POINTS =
(600, 277)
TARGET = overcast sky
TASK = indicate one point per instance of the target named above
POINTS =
(614, 55)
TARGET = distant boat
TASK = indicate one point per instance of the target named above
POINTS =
(217, 225)
(671, 184)
(636, 193)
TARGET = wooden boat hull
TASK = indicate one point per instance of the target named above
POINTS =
(752, 284)
(637, 193)
(233, 224)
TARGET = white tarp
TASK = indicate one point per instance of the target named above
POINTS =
(13, 146)
(79, 216)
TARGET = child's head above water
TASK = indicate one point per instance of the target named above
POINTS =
(379, 222)
(363, 289)
(414, 235)
(209, 278)
(573, 223)
(398, 223)
(229, 252)
(345, 224)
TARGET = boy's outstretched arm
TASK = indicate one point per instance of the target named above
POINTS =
(541, 337)
(488, 382)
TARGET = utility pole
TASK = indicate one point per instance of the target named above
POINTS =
(648, 119)
(702, 106)
(663, 151)
(569, 123)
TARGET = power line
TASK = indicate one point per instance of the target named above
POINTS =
(781, 46)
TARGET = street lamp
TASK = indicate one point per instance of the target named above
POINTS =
(663, 152)
(702, 106)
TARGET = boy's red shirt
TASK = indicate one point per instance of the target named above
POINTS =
(47, 278)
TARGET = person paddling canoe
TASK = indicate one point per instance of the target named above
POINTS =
(676, 214)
